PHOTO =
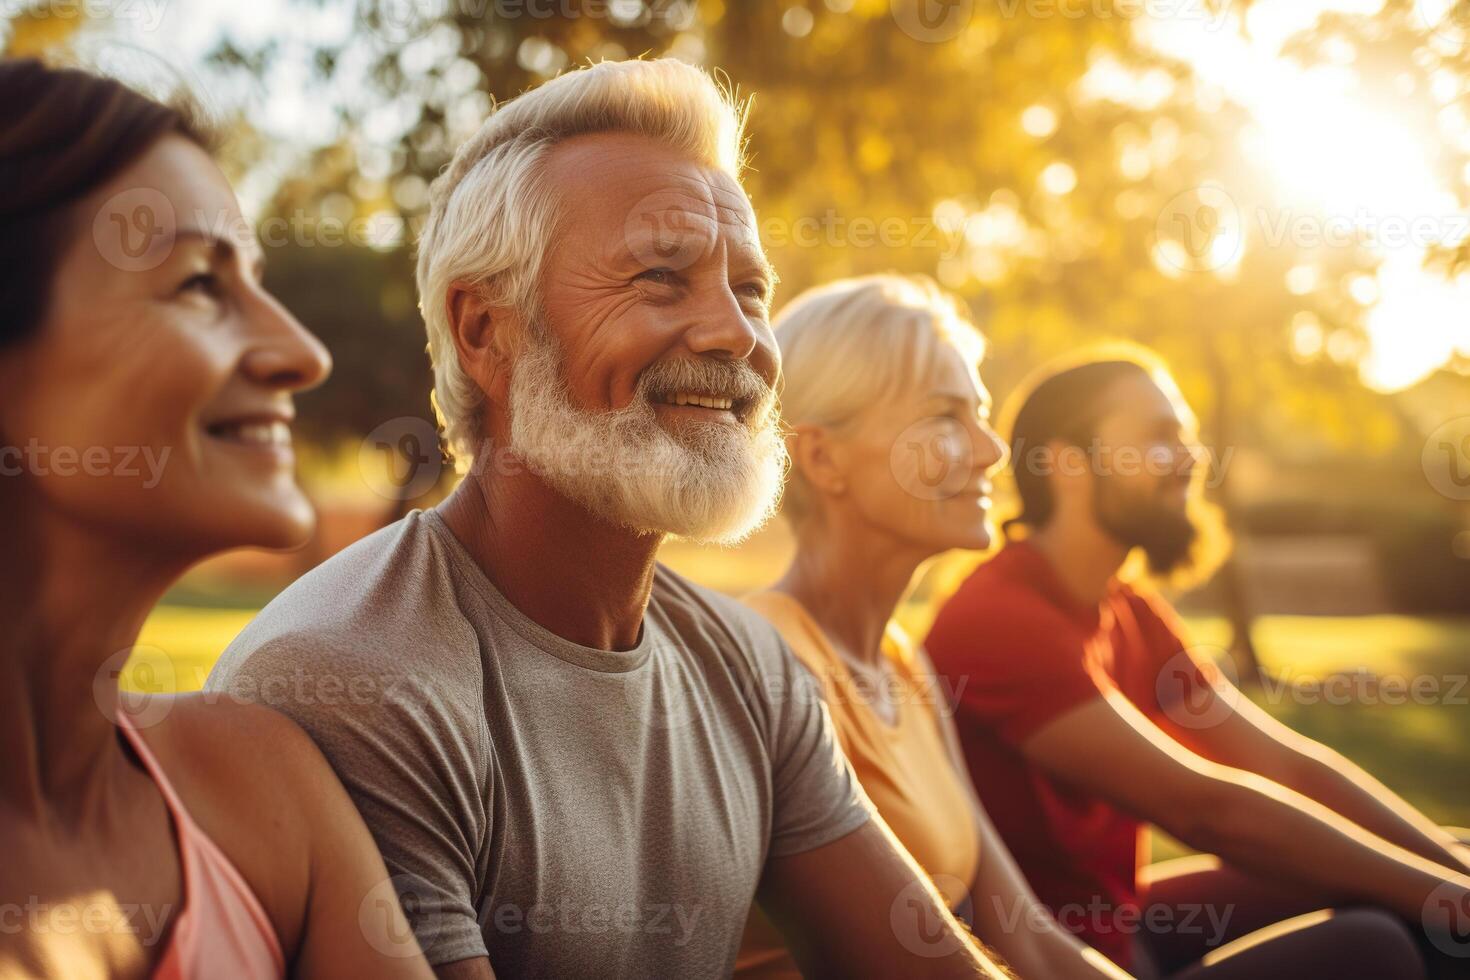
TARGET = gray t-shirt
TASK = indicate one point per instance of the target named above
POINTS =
(564, 810)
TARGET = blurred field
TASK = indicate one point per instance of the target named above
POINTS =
(1421, 750)
(179, 644)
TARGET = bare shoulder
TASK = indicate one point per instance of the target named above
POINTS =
(257, 786)
(242, 759)
(211, 732)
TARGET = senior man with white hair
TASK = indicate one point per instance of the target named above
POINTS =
(576, 762)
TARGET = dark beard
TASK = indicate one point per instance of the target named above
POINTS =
(1166, 535)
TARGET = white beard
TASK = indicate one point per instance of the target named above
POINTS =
(712, 484)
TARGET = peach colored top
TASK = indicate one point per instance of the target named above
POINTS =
(222, 930)
(906, 768)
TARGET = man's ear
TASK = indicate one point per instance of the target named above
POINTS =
(818, 458)
(484, 338)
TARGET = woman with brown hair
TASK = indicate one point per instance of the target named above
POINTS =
(147, 381)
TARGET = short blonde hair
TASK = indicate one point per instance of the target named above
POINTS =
(491, 216)
(853, 344)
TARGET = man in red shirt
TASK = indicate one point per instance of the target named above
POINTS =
(1083, 714)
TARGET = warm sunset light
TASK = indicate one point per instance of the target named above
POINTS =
(735, 489)
(1349, 166)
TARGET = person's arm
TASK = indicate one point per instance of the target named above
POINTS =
(314, 866)
(355, 926)
(1007, 913)
(1011, 919)
(860, 907)
(413, 757)
(472, 969)
(845, 894)
(1108, 747)
(1235, 732)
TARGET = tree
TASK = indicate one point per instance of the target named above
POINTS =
(1070, 182)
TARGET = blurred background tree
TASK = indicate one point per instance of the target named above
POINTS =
(1070, 181)
(1067, 174)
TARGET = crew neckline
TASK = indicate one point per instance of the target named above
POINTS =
(890, 729)
(1048, 581)
(592, 658)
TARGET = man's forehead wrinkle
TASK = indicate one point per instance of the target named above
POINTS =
(731, 196)
(667, 233)
(683, 193)
(741, 219)
(713, 193)
(653, 199)
(733, 206)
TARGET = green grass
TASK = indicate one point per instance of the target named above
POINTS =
(1418, 745)
(179, 645)
(1420, 750)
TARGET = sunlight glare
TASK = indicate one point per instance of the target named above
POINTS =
(1347, 167)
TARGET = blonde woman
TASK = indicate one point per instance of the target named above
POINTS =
(891, 442)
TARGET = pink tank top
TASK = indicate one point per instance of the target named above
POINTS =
(222, 929)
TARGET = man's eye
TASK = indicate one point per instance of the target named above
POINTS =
(755, 290)
(660, 276)
(203, 282)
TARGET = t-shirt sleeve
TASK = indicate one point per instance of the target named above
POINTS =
(1012, 667)
(1177, 670)
(407, 753)
(816, 796)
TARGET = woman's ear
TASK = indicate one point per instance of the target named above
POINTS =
(818, 457)
(484, 338)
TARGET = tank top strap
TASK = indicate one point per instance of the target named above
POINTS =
(222, 920)
(140, 748)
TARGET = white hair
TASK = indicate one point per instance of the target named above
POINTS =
(491, 215)
(711, 483)
(849, 346)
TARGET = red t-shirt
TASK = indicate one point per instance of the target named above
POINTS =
(1018, 650)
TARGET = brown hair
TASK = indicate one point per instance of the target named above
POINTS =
(63, 133)
(1064, 402)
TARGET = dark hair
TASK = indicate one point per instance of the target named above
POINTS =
(63, 133)
(1062, 404)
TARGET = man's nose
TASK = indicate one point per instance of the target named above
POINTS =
(721, 327)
